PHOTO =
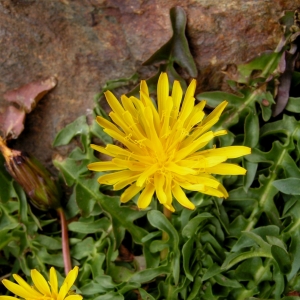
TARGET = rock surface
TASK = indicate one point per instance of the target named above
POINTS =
(84, 43)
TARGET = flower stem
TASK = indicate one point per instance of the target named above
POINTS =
(65, 241)
(165, 236)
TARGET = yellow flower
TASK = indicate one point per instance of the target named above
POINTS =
(162, 147)
(42, 290)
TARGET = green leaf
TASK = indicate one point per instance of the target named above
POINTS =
(235, 258)
(290, 186)
(122, 217)
(48, 242)
(224, 281)
(212, 271)
(149, 274)
(83, 248)
(145, 295)
(110, 296)
(7, 190)
(293, 105)
(78, 127)
(90, 227)
(86, 189)
(158, 220)
(187, 251)
(191, 227)
(282, 258)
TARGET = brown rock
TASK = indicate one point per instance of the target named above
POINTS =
(84, 43)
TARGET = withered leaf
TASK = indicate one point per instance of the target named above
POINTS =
(28, 95)
(11, 122)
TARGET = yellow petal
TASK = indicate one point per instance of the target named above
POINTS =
(130, 164)
(124, 140)
(144, 87)
(109, 125)
(53, 281)
(114, 103)
(100, 149)
(198, 187)
(188, 102)
(182, 170)
(130, 192)
(222, 189)
(227, 169)
(220, 132)
(201, 162)
(129, 106)
(151, 132)
(162, 92)
(169, 207)
(194, 120)
(40, 282)
(177, 97)
(159, 181)
(123, 183)
(181, 197)
(190, 91)
(230, 152)
(8, 298)
(113, 178)
(148, 103)
(104, 166)
(194, 146)
(17, 289)
(216, 113)
(197, 133)
(67, 284)
(74, 297)
(146, 196)
(26, 286)
(165, 129)
(147, 173)
(117, 151)
(213, 192)
(168, 191)
(204, 179)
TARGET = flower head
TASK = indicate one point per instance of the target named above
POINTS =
(163, 147)
(42, 289)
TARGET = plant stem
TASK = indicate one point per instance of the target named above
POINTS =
(65, 241)
(165, 236)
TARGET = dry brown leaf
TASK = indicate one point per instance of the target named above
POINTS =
(11, 122)
(28, 95)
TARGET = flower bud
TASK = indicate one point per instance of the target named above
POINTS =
(32, 177)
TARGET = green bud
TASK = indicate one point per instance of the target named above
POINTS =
(36, 181)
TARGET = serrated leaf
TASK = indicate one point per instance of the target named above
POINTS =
(282, 258)
(122, 217)
(83, 248)
(212, 271)
(145, 295)
(293, 105)
(90, 227)
(158, 220)
(190, 228)
(290, 186)
(149, 274)
(187, 251)
(48, 242)
(78, 127)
